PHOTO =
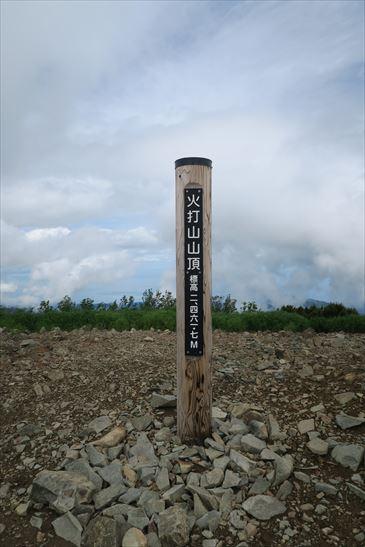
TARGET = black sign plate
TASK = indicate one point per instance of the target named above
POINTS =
(193, 263)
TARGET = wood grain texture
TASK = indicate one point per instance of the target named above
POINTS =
(194, 374)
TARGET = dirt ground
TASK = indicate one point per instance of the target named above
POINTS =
(58, 382)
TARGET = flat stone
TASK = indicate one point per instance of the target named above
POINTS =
(221, 463)
(305, 425)
(348, 455)
(103, 532)
(283, 466)
(239, 409)
(134, 538)
(306, 371)
(111, 439)
(318, 446)
(263, 507)
(163, 401)
(162, 480)
(238, 428)
(199, 507)
(237, 519)
(142, 453)
(209, 521)
(274, 429)
(268, 455)
(302, 477)
(22, 509)
(252, 444)
(212, 479)
(174, 494)
(346, 422)
(138, 518)
(118, 512)
(141, 422)
(241, 461)
(108, 495)
(129, 474)
(259, 429)
(163, 435)
(99, 424)
(285, 490)
(206, 497)
(328, 489)
(49, 485)
(152, 540)
(82, 467)
(359, 492)
(344, 398)
(112, 473)
(68, 528)
(260, 486)
(231, 480)
(96, 458)
(218, 413)
(173, 527)
(131, 495)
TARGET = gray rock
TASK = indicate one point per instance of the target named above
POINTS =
(212, 479)
(344, 398)
(37, 522)
(131, 495)
(230, 479)
(209, 521)
(356, 490)
(173, 527)
(174, 494)
(305, 425)
(99, 424)
(346, 422)
(138, 518)
(241, 461)
(146, 474)
(119, 512)
(206, 497)
(260, 486)
(111, 473)
(68, 528)
(283, 467)
(284, 491)
(142, 453)
(348, 455)
(162, 480)
(237, 519)
(108, 495)
(259, 429)
(96, 458)
(82, 467)
(164, 434)
(49, 485)
(252, 444)
(152, 540)
(163, 401)
(328, 489)
(221, 463)
(103, 532)
(141, 422)
(263, 507)
(199, 507)
(318, 446)
(302, 477)
(274, 430)
(238, 427)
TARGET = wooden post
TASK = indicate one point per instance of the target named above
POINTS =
(193, 298)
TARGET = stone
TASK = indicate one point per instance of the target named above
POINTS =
(283, 467)
(231, 479)
(112, 473)
(4, 490)
(49, 485)
(118, 512)
(206, 497)
(55, 375)
(131, 495)
(137, 518)
(96, 458)
(239, 428)
(108, 495)
(152, 540)
(129, 474)
(328, 489)
(344, 398)
(268, 455)
(237, 519)
(241, 461)
(141, 422)
(285, 490)
(218, 413)
(221, 463)
(163, 435)
(305, 425)
(103, 532)
(37, 522)
(134, 538)
(82, 467)
(346, 422)
(359, 492)
(209, 521)
(318, 446)
(260, 486)
(263, 507)
(111, 439)
(146, 474)
(259, 429)
(348, 455)
(68, 528)
(173, 527)
(252, 444)
(274, 429)
(212, 479)
(162, 480)
(199, 507)
(99, 424)
(239, 409)
(142, 453)
(174, 494)
(306, 371)
(163, 401)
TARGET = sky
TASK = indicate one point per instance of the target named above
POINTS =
(98, 99)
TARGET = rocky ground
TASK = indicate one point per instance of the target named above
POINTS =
(90, 456)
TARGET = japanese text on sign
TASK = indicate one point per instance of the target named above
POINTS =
(193, 252)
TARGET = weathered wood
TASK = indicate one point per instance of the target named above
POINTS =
(194, 384)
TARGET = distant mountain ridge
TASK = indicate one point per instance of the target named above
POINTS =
(317, 303)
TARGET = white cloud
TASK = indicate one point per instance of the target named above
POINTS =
(7, 287)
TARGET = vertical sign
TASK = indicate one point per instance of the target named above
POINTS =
(193, 254)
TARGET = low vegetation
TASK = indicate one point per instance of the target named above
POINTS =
(157, 310)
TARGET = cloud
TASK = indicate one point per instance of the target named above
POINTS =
(99, 98)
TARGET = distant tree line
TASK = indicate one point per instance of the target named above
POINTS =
(333, 309)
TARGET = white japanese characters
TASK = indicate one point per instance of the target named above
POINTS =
(193, 271)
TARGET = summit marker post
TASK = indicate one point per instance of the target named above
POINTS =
(193, 178)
